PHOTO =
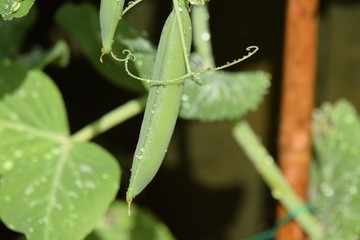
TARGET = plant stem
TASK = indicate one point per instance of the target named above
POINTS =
(246, 137)
(202, 37)
(111, 119)
(267, 168)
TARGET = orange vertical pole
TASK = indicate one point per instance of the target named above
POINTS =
(294, 142)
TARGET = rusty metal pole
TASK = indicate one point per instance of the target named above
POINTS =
(299, 65)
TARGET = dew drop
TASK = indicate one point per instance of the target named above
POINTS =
(276, 194)
(186, 105)
(8, 165)
(72, 194)
(18, 154)
(35, 95)
(90, 184)
(78, 183)
(327, 190)
(205, 36)
(48, 156)
(43, 179)
(7, 198)
(29, 190)
(56, 151)
(105, 176)
(85, 168)
(352, 190)
(14, 116)
(185, 97)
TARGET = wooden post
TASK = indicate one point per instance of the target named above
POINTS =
(299, 65)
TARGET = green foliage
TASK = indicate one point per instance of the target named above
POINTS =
(85, 30)
(10, 9)
(51, 187)
(58, 55)
(335, 181)
(13, 33)
(117, 225)
(223, 95)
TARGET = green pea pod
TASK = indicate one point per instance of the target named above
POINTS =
(163, 102)
(110, 14)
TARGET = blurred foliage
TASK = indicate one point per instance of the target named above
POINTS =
(335, 181)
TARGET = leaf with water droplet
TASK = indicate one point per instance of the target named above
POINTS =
(335, 170)
(223, 95)
(10, 9)
(45, 176)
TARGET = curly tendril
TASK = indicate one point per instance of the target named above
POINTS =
(194, 76)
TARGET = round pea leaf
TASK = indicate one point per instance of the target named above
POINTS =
(223, 95)
(51, 187)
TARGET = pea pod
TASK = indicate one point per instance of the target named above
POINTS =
(163, 102)
(110, 14)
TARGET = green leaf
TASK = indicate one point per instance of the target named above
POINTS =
(223, 95)
(13, 34)
(10, 9)
(51, 187)
(117, 225)
(85, 30)
(58, 55)
(335, 182)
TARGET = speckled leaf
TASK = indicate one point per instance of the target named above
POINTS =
(335, 181)
(51, 187)
(117, 225)
(85, 30)
(223, 95)
(10, 9)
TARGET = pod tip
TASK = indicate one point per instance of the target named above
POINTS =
(129, 200)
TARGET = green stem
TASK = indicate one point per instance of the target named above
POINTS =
(111, 119)
(202, 37)
(272, 175)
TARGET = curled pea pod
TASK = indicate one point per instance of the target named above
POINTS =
(163, 101)
(110, 14)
